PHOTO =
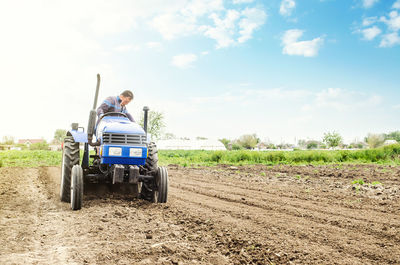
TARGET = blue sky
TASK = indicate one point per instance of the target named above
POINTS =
(285, 70)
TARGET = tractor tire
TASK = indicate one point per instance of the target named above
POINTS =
(151, 165)
(70, 157)
(157, 190)
(161, 183)
(150, 169)
(76, 187)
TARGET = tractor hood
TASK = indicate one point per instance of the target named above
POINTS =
(120, 125)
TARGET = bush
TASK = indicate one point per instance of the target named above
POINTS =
(312, 145)
(216, 157)
(39, 146)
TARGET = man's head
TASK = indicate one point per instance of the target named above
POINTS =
(126, 97)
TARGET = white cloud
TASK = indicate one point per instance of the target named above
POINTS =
(369, 3)
(242, 1)
(228, 27)
(236, 27)
(292, 46)
(343, 107)
(393, 21)
(249, 96)
(127, 48)
(173, 25)
(342, 99)
(396, 106)
(390, 40)
(369, 21)
(371, 33)
(183, 19)
(184, 61)
(287, 7)
(253, 19)
(154, 45)
(224, 29)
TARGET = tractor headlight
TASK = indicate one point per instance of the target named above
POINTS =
(115, 151)
(136, 152)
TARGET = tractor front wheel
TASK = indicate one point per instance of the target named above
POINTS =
(157, 189)
(160, 192)
(76, 187)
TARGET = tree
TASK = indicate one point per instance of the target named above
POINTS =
(375, 140)
(225, 142)
(332, 139)
(201, 138)
(357, 145)
(155, 123)
(59, 136)
(312, 144)
(169, 136)
(393, 136)
(236, 146)
(302, 143)
(8, 140)
(248, 141)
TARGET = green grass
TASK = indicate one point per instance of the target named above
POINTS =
(358, 181)
(188, 158)
(384, 155)
(374, 183)
(28, 158)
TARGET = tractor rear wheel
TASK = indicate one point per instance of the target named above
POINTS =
(76, 187)
(150, 169)
(70, 157)
(152, 159)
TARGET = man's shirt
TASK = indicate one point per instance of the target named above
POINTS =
(113, 104)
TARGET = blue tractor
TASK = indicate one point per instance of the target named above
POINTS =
(125, 156)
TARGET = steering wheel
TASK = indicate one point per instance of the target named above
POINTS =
(113, 114)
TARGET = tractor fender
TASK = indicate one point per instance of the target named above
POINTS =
(79, 136)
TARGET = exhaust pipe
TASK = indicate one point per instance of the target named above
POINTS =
(146, 112)
(92, 116)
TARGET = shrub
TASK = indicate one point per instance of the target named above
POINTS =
(216, 157)
(39, 146)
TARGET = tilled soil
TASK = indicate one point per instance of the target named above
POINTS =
(218, 215)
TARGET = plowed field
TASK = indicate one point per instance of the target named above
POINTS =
(218, 215)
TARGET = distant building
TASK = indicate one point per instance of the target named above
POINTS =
(389, 142)
(262, 146)
(177, 144)
(55, 147)
(28, 142)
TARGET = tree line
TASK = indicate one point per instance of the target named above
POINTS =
(330, 140)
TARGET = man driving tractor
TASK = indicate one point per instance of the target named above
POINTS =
(116, 104)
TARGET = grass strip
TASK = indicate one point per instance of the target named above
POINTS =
(383, 155)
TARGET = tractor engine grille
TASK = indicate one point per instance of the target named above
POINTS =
(117, 138)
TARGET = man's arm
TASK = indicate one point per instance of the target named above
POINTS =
(130, 117)
(104, 107)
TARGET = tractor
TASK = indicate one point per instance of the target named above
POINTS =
(124, 156)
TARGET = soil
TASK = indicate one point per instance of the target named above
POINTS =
(214, 215)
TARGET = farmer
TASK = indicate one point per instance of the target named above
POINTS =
(116, 104)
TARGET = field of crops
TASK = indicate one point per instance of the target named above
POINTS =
(384, 155)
